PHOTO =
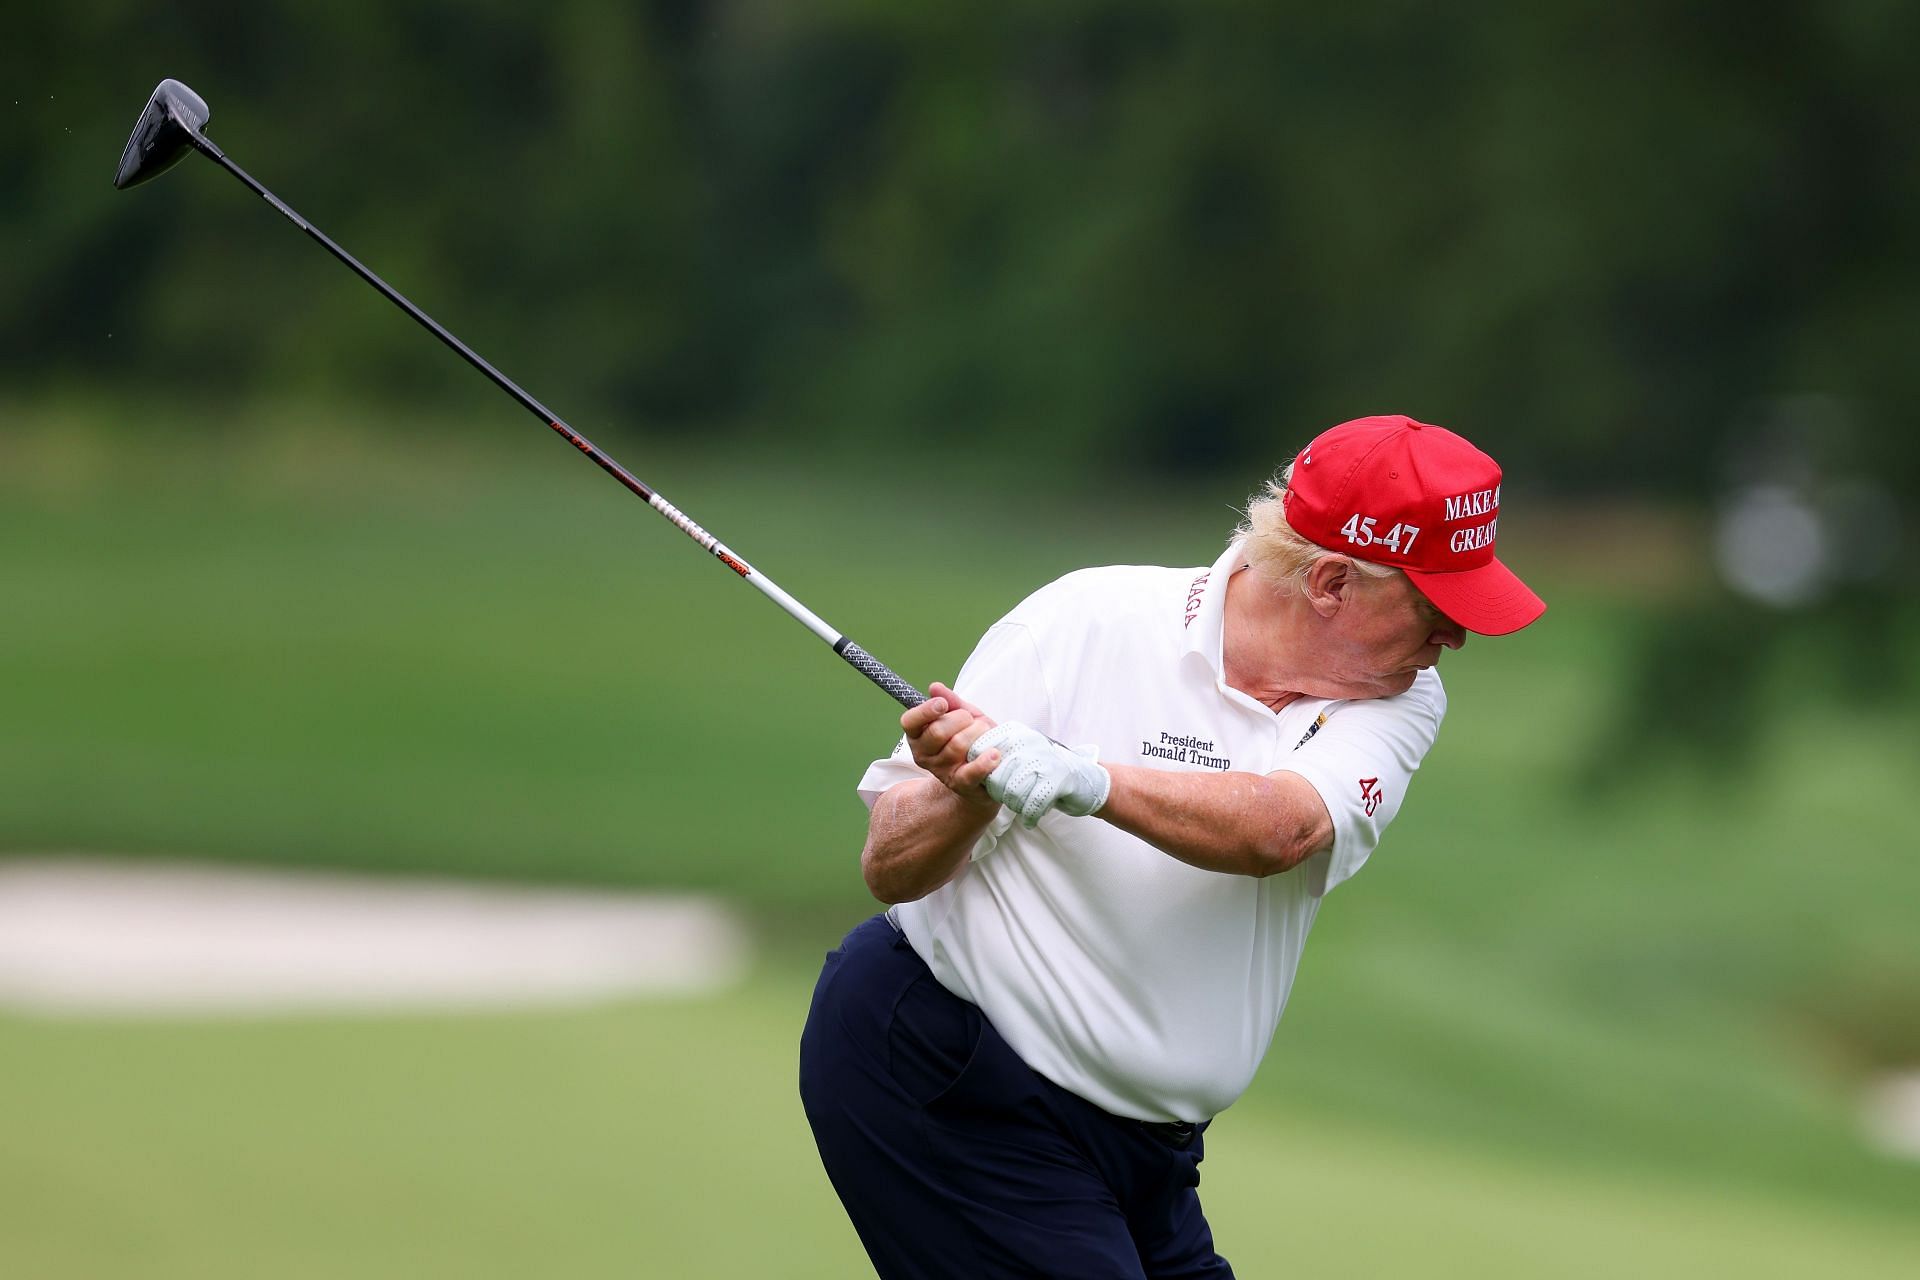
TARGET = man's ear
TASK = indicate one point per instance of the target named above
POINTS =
(1329, 584)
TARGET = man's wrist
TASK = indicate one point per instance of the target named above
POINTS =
(975, 800)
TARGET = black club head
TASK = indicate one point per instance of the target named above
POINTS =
(166, 131)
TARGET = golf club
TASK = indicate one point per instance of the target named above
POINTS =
(174, 124)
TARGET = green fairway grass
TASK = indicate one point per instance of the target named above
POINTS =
(667, 1140)
(490, 660)
(1552, 1029)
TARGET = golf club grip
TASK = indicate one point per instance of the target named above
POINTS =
(880, 673)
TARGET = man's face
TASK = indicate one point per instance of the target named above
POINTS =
(1389, 634)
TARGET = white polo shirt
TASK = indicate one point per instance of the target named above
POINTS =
(1148, 987)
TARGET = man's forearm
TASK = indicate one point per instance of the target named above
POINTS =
(1245, 824)
(918, 837)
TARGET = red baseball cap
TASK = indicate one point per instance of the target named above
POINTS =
(1417, 497)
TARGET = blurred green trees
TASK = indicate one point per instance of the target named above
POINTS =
(1147, 232)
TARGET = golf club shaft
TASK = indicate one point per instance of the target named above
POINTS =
(862, 661)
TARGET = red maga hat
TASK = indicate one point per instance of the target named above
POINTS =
(1417, 497)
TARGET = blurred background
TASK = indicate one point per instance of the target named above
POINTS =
(918, 307)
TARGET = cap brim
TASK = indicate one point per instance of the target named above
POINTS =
(1488, 601)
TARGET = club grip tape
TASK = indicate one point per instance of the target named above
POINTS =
(880, 673)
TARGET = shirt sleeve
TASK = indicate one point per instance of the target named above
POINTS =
(1003, 677)
(1361, 764)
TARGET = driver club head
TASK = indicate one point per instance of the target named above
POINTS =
(169, 128)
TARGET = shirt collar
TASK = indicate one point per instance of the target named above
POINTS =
(1206, 627)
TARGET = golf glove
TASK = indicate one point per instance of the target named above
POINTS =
(1036, 774)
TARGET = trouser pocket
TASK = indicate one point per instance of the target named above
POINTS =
(932, 1038)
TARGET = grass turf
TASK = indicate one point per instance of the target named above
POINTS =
(666, 1139)
(280, 641)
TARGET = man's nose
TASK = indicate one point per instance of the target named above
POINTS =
(1450, 635)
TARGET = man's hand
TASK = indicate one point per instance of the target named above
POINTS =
(920, 832)
(942, 733)
(1036, 773)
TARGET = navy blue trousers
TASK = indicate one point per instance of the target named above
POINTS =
(955, 1159)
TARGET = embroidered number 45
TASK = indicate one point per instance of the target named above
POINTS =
(1371, 794)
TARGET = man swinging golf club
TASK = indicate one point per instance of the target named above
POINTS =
(1008, 1073)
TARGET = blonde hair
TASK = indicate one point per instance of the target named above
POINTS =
(1280, 555)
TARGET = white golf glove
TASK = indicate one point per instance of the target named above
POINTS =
(1036, 774)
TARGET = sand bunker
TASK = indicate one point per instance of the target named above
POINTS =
(97, 937)
(1891, 1113)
